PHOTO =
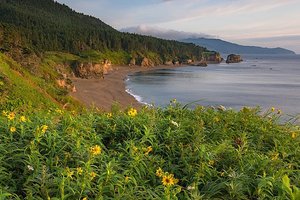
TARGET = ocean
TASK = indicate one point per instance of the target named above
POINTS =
(264, 81)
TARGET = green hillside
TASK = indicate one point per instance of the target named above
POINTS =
(45, 25)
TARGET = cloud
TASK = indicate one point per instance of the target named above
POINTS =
(168, 34)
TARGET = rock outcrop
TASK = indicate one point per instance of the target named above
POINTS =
(91, 70)
(233, 58)
(212, 58)
(168, 62)
(147, 62)
(202, 63)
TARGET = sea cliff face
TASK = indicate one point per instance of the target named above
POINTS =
(89, 70)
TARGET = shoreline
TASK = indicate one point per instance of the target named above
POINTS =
(104, 93)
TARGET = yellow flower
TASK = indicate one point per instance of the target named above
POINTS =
(294, 135)
(275, 156)
(59, 111)
(13, 129)
(44, 128)
(79, 170)
(109, 115)
(95, 150)
(159, 172)
(272, 109)
(4, 113)
(126, 179)
(93, 175)
(211, 162)
(279, 112)
(148, 150)
(132, 112)
(169, 180)
(85, 198)
(11, 116)
(22, 119)
(69, 172)
(135, 149)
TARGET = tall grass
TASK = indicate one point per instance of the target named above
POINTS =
(170, 153)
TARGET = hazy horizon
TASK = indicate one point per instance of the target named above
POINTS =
(271, 23)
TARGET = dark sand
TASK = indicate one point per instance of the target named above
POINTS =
(103, 93)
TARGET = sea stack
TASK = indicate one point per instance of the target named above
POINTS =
(233, 58)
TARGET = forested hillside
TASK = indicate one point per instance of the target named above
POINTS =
(45, 25)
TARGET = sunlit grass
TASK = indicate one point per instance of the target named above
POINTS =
(154, 154)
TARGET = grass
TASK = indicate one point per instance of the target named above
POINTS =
(170, 153)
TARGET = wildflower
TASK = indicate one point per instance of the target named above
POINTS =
(4, 113)
(126, 179)
(159, 172)
(174, 123)
(294, 135)
(109, 115)
(79, 170)
(13, 129)
(59, 111)
(22, 119)
(272, 109)
(132, 112)
(93, 175)
(275, 156)
(173, 101)
(222, 174)
(44, 128)
(169, 180)
(279, 112)
(11, 116)
(69, 172)
(85, 198)
(148, 150)
(95, 150)
(211, 162)
(30, 168)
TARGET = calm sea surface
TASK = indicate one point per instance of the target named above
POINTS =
(263, 81)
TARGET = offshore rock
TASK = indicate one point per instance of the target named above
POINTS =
(233, 58)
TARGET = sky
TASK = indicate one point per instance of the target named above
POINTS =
(267, 23)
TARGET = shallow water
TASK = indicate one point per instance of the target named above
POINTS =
(263, 81)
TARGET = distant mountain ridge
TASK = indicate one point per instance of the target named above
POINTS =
(201, 39)
(228, 47)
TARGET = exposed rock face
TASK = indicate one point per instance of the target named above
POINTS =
(132, 62)
(66, 84)
(213, 58)
(91, 70)
(147, 62)
(168, 62)
(233, 58)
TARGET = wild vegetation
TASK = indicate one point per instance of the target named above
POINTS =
(45, 25)
(51, 148)
(170, 153)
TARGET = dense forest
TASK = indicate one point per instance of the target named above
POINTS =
(45, 25)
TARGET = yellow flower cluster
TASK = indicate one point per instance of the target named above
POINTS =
(44, 128)
(69, 172)
(294, 135)
(109, 115)
(93, 175)
(95, 150)
(132, 112)
(79, 170)
(167, 179)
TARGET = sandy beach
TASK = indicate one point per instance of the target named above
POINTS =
(103, 93)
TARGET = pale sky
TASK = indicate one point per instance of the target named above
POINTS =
(268, 23)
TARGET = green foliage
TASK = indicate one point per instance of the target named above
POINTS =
(21, 89)
(45, 25)
(215, 154)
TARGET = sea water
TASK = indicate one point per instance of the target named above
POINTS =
(265, 81)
